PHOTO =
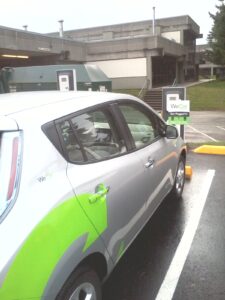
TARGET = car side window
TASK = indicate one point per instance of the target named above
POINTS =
(91, 136)
(160, 125)
(71, 145)
(140, 123)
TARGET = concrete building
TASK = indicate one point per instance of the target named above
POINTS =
(208, 69)
(133, 55)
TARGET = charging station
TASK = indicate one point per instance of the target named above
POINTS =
(67, 80)
(176, 109)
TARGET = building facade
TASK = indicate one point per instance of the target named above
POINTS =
(207, 69)
(133, 55)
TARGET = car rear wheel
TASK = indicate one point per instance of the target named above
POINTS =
(178, 187)
(83, 284)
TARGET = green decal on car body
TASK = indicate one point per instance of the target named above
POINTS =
(47, 243)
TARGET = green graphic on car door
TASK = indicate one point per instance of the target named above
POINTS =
(43, 249)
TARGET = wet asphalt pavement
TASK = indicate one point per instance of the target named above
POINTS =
(206, 126)
(141, 271)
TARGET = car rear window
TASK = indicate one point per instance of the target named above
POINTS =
(90, 137)
(10, 162)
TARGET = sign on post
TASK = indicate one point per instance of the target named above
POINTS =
(176, 110)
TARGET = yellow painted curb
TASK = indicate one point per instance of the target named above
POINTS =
(188, 172)
(210, 149)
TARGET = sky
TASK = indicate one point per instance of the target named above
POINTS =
(43, 15)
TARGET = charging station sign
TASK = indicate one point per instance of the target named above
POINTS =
(67, 80)
(178, 112)
(175, 107)
(178, 107)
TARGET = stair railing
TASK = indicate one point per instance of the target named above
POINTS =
(174, 82)
(143, 87)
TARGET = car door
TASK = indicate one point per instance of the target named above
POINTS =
(156, 154)
(104, 176)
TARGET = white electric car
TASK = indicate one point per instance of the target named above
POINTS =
(80, 175)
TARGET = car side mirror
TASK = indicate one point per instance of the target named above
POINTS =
(171, 132)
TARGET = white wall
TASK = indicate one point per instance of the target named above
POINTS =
(173, 36)
(123, 67)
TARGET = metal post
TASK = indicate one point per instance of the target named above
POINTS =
(153, 21)
(61, 28)
(149, 70)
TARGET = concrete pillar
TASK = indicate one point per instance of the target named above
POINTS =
(180, 72)
(211, 71)
(177, 72)
(182, 37)
(149, 70)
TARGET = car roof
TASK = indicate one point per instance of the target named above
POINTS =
(45, 106)
(12, 103)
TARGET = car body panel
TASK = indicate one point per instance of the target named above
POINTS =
(8, 124)
(64, 266)
(121, 178)
(163, 155)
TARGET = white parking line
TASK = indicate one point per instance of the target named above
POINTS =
(170, 281)
(219, 127)
(211, 138)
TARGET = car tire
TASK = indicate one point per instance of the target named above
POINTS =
(83, 284)
(178, 186)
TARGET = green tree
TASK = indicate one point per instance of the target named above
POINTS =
(216, 37)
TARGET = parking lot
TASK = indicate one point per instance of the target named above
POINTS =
(206, 127)
(180, 254)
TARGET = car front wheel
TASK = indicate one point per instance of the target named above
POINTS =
(83, 284)
(178, 187)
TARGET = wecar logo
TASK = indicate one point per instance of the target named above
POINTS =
(178, 106)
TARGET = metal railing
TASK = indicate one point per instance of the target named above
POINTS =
(145, 85)
(174, 82)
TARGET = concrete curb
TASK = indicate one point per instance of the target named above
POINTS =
(210, 149)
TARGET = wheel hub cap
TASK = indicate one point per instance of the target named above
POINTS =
(85, 291)
(180, 178)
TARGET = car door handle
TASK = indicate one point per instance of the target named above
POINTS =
(149, 163)
(101, 191)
